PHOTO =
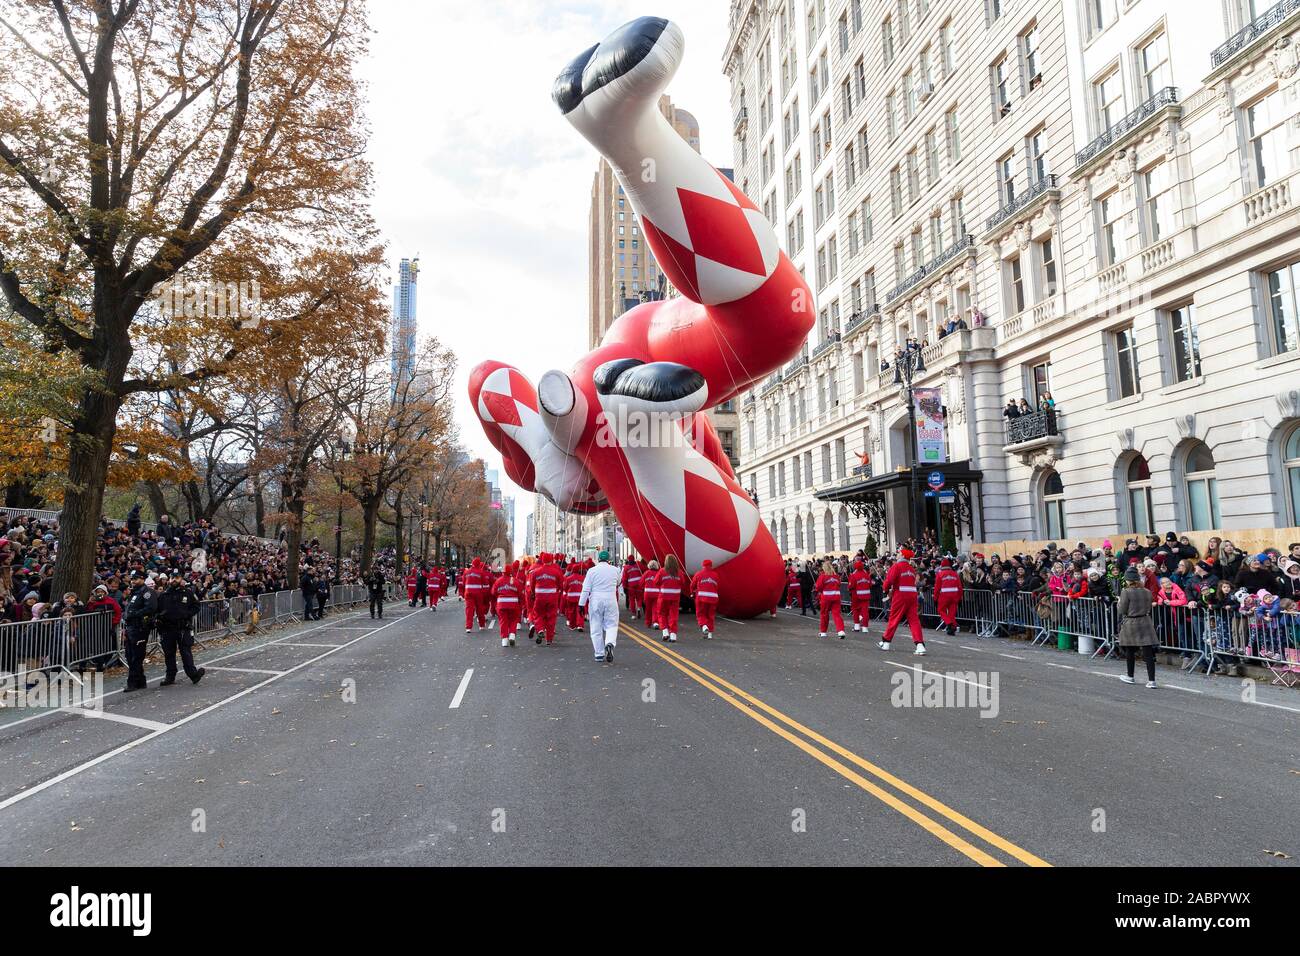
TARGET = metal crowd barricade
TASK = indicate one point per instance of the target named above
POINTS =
(1181, 629)
(57, 643)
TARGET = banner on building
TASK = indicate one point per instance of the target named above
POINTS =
(931, 446)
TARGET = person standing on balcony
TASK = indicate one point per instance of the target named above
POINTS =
(1012, 411)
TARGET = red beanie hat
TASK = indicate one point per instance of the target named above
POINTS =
(907, 553)
(706, 563)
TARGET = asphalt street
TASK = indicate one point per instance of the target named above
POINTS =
(408, 741)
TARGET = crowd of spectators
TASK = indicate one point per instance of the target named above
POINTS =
(213, 564)
(1263, 586)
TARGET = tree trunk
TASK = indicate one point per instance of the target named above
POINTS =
(259, 509)
(156, 500)
(370, 515)
(293, 504)
(90, 447)
(397, 527)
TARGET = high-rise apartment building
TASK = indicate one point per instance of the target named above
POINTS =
(1083, 203)
(403, 329)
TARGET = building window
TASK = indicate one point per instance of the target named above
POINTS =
(1126, 362)
(896, 192)
(1153, 65)
(957, 217)
(1015, 286)
(1110, 244)
(1138, 482)
(945, 50)
(1186, 343)
(1036, 156)
(887, 40)
(1006, 179)
(1047, 267)
(1272, 156)
(1282, 309)
(1108, 100)
(1041, 376)
(1291, 465)
(1202, 491)
(1158, 202)
(931, 157)
(1001, 88)
(1100, 14)
(1029, 56)
(1054, 506)
(952, 134)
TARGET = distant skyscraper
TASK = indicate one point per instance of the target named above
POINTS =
(402, 334)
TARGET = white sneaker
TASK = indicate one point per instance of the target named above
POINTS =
(467, 630)
(512, 640)
(920, 650)
(822, 634)
(1151, 685)
(883, 645)
(665, 633)
(841, 635)
(857, 627)
(505, 642)
(1126, 679)
(672, 638)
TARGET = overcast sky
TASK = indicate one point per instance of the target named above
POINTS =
(479, 175)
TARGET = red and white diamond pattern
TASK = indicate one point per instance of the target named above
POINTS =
(708, 236)
(696, 511)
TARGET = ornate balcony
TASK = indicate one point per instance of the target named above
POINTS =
(1035, 192)
(1033, 433)
(827, 344)
(741, 121)
(930, 268)
(858, 320)
(1167, 97)
(1265, 23)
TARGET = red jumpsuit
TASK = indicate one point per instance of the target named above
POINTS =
(670, 601)
(410, 587)
(704, 588)
(860, 597)
(632, 586)
(544, 585)
(947, 595)
(650, 591)
(572, 592)
(900, 583)
(828, 595)
(506, 594)
(793, 591)
(473, 588)
(436, 584)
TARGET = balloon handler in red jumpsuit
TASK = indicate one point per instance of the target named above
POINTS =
(828, 596)
(947, 595)
(901, 588)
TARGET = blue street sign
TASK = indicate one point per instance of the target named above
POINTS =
(935, 480)
(947, 497)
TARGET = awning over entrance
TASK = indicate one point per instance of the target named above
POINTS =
(865, 495)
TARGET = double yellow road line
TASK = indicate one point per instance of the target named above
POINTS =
(773, 719)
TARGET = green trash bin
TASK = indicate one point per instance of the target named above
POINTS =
(1063, 641)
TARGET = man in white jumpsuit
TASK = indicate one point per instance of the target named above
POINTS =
(600, 598)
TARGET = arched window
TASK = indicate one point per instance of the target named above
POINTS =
(828, 530)
(1291, 467)
(1202, 490)
(844, 528)
(1053, 505)
(785, 538)
(798, 532)
(1138, 481)
(812, 535)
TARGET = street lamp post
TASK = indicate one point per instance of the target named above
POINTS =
(906, 366)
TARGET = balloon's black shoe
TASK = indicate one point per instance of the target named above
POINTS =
(598, 66)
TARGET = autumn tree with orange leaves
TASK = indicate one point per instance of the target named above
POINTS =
(153, 153)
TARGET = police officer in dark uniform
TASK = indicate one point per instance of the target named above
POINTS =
(375, 584)
(177, 607)
(141, 608)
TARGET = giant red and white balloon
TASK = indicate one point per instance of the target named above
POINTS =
(626, 427)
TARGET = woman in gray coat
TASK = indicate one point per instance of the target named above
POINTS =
(1135, 626)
